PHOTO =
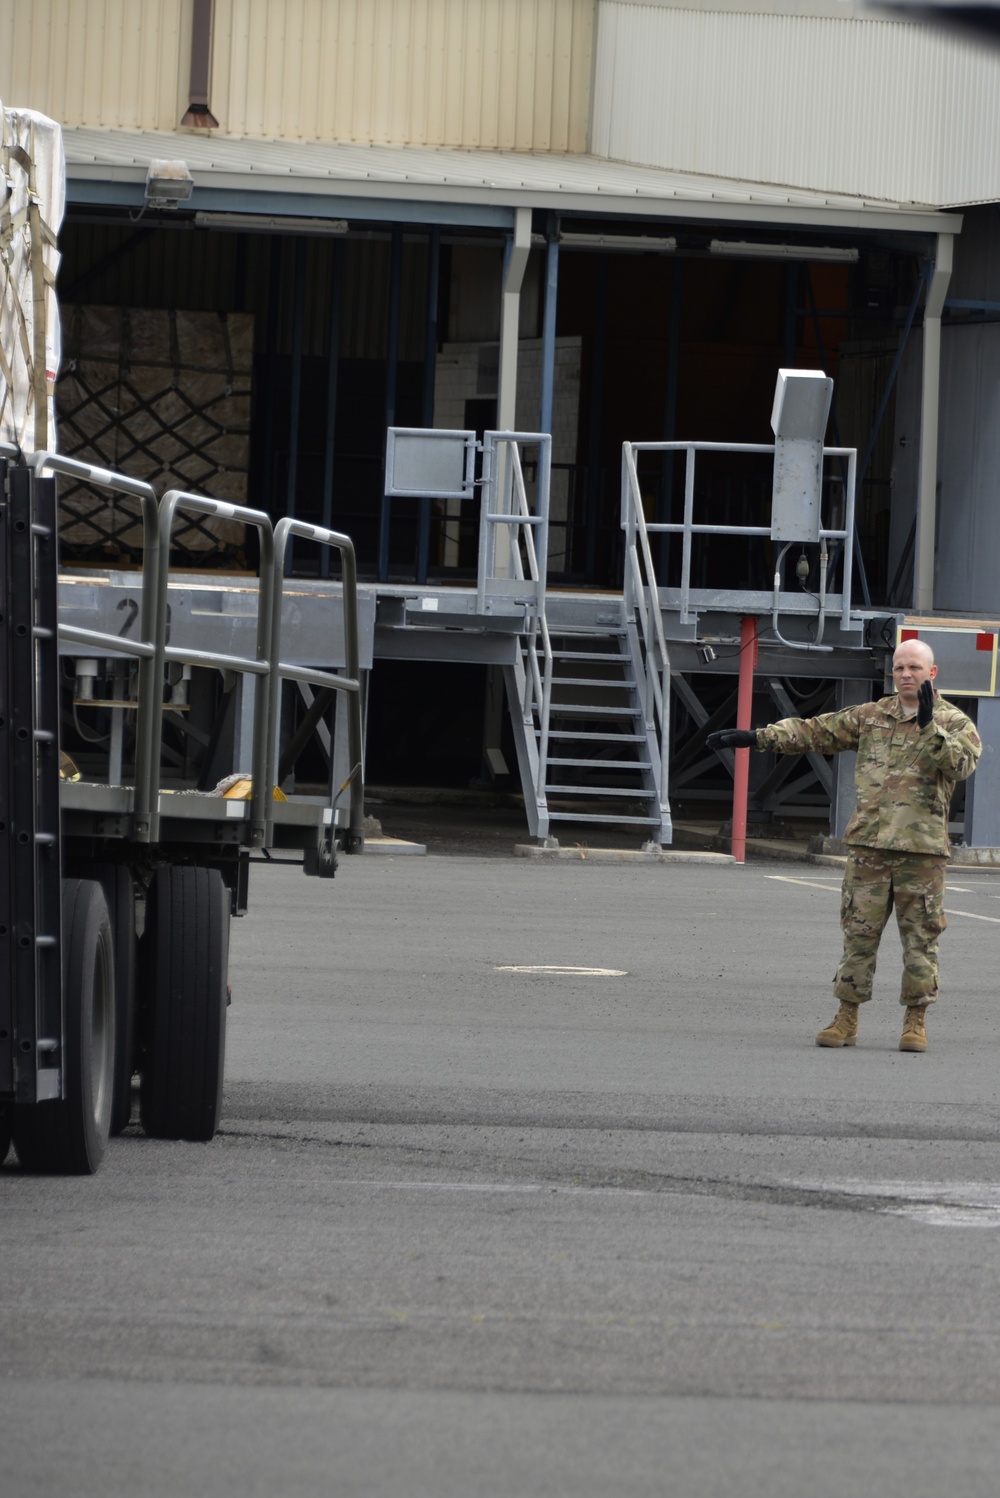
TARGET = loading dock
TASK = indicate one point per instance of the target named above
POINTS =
(597, 304)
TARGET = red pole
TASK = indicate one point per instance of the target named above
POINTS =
(744, 704)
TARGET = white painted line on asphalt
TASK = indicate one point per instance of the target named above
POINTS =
(559, 970)
(813, 884)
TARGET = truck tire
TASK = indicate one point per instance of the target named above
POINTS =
(119, 891)
(185, 955)
(69, 1137)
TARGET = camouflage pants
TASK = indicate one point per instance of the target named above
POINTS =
(876, 882)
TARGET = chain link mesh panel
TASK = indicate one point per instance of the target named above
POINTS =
(162, 396)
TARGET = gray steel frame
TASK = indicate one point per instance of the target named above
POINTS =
(641, 589)
(147, 808)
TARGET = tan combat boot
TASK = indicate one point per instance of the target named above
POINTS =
(844, 1029)
(914, 1036)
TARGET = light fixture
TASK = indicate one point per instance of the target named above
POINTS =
(168, 184)
(636, 244)
(270, 223)
(747, 251)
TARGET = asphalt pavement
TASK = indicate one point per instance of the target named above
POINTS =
(531, 1180)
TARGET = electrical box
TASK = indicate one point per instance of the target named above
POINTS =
(798, 419)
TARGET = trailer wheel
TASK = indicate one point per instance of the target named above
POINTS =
(185, 958)
(69, 1137)
(119, 892)
(5, 1133)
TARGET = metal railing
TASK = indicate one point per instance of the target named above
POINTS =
(144, 648)
(349, 683)
(688, 528)
(506, 512)
(642, 603)
(644, 599)
(507, 521)
(147, 771)
(154, 653)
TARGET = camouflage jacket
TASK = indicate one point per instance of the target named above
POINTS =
(905, 775)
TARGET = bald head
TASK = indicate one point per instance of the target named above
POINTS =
(912, 664)
(913, 650)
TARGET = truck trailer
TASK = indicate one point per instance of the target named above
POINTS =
(117, 888)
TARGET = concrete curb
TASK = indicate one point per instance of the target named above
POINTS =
(619, 855)
(961, 858)
(393, 845)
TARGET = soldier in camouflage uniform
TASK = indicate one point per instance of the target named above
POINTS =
(912, 750)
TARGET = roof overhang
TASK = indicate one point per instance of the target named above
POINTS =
(434, 185)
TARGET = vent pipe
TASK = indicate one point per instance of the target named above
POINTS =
(198, 113)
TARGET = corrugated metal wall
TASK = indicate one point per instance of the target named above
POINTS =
(877, 108)
(499, 74)
(119, 63)
(494, 74)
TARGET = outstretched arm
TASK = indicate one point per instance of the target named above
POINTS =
(829, 733)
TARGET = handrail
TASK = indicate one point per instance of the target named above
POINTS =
(687, 528)
(262, 803)
(532, 530)
(150, 726)
(153, 652)
(657, 703)
(640, 585)
(501, 512)
(541, 681)
(143, 648)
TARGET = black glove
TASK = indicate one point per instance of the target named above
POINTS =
(925, 704)
(732, 738)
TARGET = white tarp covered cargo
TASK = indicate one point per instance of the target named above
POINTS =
(32, 199)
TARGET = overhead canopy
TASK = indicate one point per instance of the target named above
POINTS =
(428, 185)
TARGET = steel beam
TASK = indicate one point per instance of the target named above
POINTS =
(923, 599)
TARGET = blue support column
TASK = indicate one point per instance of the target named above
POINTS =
(295, 397)
(391, 371)
(332, 372)
(670, 407)
(596, 401)
(549, 335)
(271, 372)
(791, 313)
(430, 368)
(859, 561)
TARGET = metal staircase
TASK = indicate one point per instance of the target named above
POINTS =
(589, 704)
(597, 765)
